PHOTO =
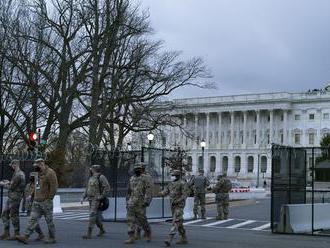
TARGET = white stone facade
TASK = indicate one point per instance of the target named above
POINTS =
(238, 130)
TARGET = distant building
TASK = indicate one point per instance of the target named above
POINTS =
(239, 129)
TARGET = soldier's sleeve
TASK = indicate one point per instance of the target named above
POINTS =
(105, 186)
(129, 190)
(216, 188)
(15, 182)
(53, 185)
(207, 182)
(148, 191)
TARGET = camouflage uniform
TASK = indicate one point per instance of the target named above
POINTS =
(139, 196)
(199, 184)
(150, 182)
(178, 192)
(221, 189)
(46, 188)
(29, 194)
(94, 192)
(15, 195)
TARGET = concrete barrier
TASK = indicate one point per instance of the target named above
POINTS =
(297, 218)
(57, 205)
(159, 208)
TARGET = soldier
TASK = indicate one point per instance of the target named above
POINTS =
(177, 190)
(97, 188)
(199, 184)
(29, 194)
(221, 190)
(46, 187)
(15, 194)
(150, 181)
(138, 198)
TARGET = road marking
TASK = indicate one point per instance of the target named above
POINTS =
(259, 228)
(241, 224)
(71, 217)
(217, 223)
(196, 221)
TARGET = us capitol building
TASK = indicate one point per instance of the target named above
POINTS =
(237, 130)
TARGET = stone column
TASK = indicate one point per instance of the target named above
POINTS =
(231, 169)
(196, 131)
(258, 128)
(232, 118)
(285, 127)
(207, 138)
(218, 165)
(220, 129)
(244, 129)
(184, 138)
(195, 164)
(244, 170)
(271, 126)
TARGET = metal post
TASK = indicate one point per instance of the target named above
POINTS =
(142, 154)
(258, 171)
(163, 182)
(313, 177)
(202, 158)
(1, 190)
(115, 164)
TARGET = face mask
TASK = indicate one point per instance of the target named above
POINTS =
(12, 168)
(137, 173)
(37, 169)
(173, 178)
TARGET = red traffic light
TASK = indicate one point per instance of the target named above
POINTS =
(33, 136)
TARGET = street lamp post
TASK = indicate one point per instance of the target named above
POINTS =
(150, 137)
(203, 144)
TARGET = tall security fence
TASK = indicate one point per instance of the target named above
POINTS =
(300, 190)
(117, 166)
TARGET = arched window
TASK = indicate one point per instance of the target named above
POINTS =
(263, 166)
(212, 163)
(237, 164)
(200, 162)
(250, 164)
(224, 164)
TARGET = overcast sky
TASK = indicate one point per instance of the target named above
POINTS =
(249, 45)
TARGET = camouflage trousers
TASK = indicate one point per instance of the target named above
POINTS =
(95, 215)
(177, 222)
(11, 213)
(222, 201)
(138, 227)
(28, 205)
(199, 200)
(40, 209)
(136, 216)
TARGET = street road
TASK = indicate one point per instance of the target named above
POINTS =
(72, 224)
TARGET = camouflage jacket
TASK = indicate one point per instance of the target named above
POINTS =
(178, 192)
(139, 193)
(17, 186)
(221, 186)
(95, 190)
(46, 185)
(29, 190)
(199, 184)
(149, 180)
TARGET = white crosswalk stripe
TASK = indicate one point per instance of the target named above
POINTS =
(240, 224)
(72, 215)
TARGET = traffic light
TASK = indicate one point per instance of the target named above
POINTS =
(33, 139)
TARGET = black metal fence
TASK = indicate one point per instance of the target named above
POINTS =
(300, 190)
(117, 167)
